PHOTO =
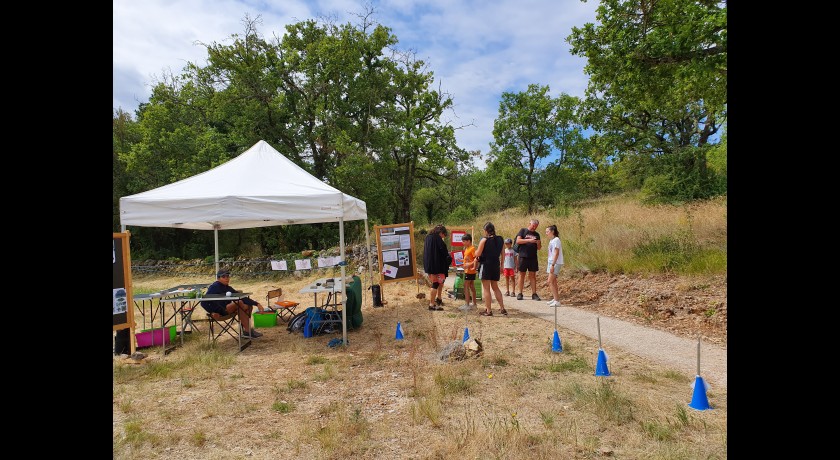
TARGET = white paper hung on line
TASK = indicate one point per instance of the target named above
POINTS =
(332, 261)
(304, 264)
(279, 265)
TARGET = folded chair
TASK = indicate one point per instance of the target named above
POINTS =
(285, 308)
(186, 319)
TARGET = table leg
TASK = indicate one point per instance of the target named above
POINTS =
(162, 327)
(164, 331)
(142, 307)
(248, 343)
(183, 323)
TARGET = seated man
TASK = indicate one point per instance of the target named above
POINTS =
(219, 308)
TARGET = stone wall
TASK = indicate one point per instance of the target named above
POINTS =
(256, 267)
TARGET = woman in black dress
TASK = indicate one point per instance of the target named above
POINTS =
(489, 249)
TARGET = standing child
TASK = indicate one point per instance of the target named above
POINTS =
(555, 262)
(470, 266)
(510, 266)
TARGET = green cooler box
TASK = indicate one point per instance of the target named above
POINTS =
(459, 287)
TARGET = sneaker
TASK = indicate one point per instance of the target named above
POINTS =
(438, 301)
(255, 333)
(553, 303)
(435, 308)
(519, 296)
(465, 307)
(535, 297)
(507, 294)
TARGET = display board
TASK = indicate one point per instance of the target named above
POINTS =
(395, 249)
(457, 246)
(122, 301)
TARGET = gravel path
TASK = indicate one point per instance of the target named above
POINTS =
(653, 344)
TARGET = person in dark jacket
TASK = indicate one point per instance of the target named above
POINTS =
(436, 260)
(219, 308)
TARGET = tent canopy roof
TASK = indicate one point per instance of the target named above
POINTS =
(258, 188)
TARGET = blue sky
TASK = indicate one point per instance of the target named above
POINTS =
(477, 49)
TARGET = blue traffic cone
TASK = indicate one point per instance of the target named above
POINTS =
(399, 331)
(699, 400)
(466, 334)
(555, 344)
(601, 369)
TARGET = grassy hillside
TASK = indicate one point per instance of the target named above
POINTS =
(619, 235)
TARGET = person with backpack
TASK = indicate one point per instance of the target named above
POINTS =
(436, 261)
(529, 243)
(488, 254)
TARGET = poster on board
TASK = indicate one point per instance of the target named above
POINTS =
(457, 237)
(395, 250)
(456, 243)
(121, 298)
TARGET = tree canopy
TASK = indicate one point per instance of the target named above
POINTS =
(346, 104)
(657, 82)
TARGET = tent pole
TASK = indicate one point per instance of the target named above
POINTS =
(343, 282)
(370, 264)
(216, 244)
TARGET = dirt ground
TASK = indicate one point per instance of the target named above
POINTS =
(684, 306)
(389, 385)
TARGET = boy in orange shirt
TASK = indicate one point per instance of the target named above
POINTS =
(470, 265)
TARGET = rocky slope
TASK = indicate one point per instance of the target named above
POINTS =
(682, 305)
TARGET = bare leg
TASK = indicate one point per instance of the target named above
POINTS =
(485, 286)
(471, 290)
(467, 291)
(552, 283)
(243, 312)
(498, 292)
(432, 292)
(533, 277)
(521, 281)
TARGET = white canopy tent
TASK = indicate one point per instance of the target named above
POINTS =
(258, 188)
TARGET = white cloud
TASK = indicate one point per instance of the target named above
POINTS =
(476, 49)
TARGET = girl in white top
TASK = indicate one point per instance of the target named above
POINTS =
(555, 262)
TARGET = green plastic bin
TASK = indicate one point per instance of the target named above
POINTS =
(459, 287)
(265, 319)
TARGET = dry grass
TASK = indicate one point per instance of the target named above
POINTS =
(603, 233)
(290, 397)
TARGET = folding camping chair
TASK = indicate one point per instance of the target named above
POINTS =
(285, 308)
(227, 324)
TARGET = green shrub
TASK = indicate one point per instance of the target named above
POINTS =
(461, 214)
(667, 253)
